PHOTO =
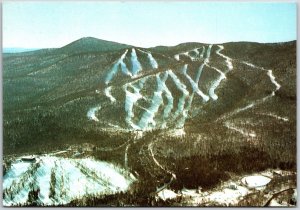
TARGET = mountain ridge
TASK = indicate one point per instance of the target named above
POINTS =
(92, 44)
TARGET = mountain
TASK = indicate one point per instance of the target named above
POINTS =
(83, 45)
(174, 117)
(90, 44)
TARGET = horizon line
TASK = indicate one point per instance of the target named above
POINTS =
(40, 48)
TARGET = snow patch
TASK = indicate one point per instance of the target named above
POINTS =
(285, 119)
(228, 196)
(252, 65)
(92, 113)
(272, 78)
(108, 94)
(255, 181)
(167, 194)
(176, 132)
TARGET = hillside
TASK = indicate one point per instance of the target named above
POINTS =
(183, 117)
(90, 44)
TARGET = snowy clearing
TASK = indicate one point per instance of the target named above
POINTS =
(255, 181)
(92, 113)
(60, 180)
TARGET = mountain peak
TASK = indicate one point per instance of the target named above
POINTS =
(91, 44)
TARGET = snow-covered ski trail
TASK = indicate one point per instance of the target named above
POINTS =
(195, 87)
(152, 61)
(194, 84)
(136, 66)
(185, 93)
(107, 92)
(191, 57)
(147, 119)
(260, 100)
(131, 99)
(216, 83)
(115, 68)
(228, 60)
(156, 101)
(206, 61)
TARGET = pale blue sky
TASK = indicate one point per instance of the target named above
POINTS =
(146, 24)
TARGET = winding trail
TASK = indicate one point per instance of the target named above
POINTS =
(258, 101)
(192, 58)
(216, 83)
(285, 119)
(173, 175)
(228, 60)
(150, 148)
(241, 131)
(108, 94)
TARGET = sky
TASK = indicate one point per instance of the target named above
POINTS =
(145, 24)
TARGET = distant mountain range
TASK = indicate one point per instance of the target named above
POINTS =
(18, 50)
